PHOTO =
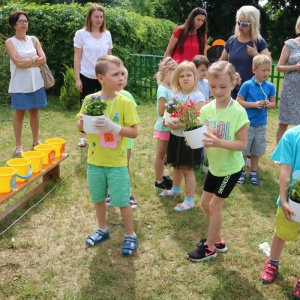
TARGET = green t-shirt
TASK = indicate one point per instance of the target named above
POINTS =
(106, 149)
(223, 162)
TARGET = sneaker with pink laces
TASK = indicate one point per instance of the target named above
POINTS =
(269, 272)
(297, 290)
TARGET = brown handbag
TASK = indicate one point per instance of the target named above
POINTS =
(48, 78)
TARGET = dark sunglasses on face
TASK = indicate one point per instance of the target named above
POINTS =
(200, 11)
(243, 24)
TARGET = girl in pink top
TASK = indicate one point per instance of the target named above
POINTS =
(189, 39)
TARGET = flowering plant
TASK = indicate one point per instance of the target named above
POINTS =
(188, 115)
(94, 105)
(172, 106)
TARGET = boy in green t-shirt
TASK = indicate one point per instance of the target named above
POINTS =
(107, 155)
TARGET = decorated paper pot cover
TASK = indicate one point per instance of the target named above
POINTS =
(60, 145)
(88, 124)
(296, 208)
(23, 167)
(8, 178)
(195, 137)
(36, 158)
(48, 150)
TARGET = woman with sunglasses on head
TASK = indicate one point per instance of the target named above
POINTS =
(189, 39)
(246, 43)
(90, 42)
(26, 84)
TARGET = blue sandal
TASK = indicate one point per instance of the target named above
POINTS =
(98, 237)
(254, 180)
(242, 178)
(130, 245)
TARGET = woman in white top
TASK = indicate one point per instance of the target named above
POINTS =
(90, 42)
(26, 83)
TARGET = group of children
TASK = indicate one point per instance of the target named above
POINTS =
(227, 142)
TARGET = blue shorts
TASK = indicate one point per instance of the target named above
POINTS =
(117, 180)
(221, 186)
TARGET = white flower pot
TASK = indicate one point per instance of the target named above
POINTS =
(195, 137)
(296, 208)
(88, 124)
(205, 169)
(168, 118)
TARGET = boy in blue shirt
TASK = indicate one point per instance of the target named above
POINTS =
(256, 96)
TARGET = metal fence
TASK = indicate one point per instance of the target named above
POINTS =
(142, 84)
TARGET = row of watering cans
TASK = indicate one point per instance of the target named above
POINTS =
(21, 169)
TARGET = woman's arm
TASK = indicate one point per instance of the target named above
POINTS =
(171, 46)
(22, 63)
(109, 52)
(284, 57)
(224, 55)
(77, 59)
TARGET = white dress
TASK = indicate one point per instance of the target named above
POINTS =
(25, 80)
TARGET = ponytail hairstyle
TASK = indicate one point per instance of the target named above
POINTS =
(168, 63)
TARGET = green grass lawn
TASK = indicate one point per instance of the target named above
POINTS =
(43, 256)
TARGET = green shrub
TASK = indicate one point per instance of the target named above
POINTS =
(4, 72)
(68, 92)
(55, 27)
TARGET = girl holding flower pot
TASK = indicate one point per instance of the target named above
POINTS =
(164, 78)
(179, 155)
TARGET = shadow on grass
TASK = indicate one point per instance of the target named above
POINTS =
(112, 276)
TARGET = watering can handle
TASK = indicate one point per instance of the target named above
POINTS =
(26, 176)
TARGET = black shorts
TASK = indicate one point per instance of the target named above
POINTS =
(89, 86)
(221, 186)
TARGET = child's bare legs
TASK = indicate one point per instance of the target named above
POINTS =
(161, 149)
(254, 163)
(213, 206)
(127, 217)
(280, 131)
(101, 214)
(190, 183)
(277, 246)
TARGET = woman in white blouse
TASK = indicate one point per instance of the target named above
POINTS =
(90, 42)
(26, 83)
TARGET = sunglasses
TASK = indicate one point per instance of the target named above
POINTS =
(200, 11)
(243, 24)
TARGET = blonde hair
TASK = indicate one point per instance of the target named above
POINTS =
(168, 63)
(185, 65)
(297, 27)
(103, 62)
(88, 21)
(224, 67)
(261, 59)
(252, 15)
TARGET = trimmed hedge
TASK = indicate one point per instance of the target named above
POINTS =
(55, 26)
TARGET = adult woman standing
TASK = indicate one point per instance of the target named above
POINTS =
(290, 95)
(26, 83)
(90, 42)
(246, 43)
(189, 39)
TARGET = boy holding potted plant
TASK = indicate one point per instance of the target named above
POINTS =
(287, 153)
(107, 155)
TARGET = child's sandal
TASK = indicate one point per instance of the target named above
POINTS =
(170, 193)
(18, 151)
(184, 206)
(37, 143)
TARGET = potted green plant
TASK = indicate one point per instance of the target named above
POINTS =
(170, 107)
(193, 130)
(294, 199)
(93, 106)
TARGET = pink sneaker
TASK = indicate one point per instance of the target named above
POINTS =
(269, 272)
(297, 290)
